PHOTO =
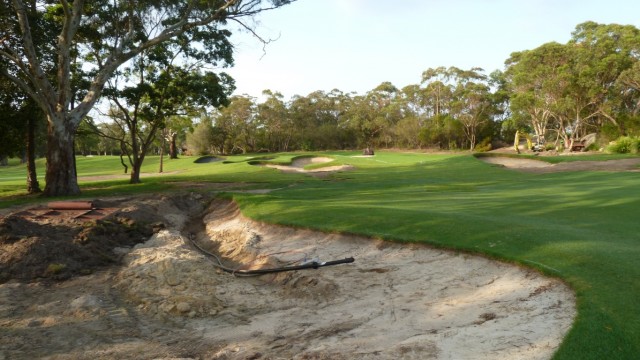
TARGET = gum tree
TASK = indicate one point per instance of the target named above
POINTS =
(539, 80)
(471, 103)
(602, 52)
(142, 109)
(101, 36)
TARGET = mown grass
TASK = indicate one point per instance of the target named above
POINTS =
(578, 226)
(104, 176)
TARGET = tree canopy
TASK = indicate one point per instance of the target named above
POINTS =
(92, 40)
(558, 92)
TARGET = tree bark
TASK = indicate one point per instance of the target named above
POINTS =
(173, 149)
(33, 187)
(61, 178)
(126, 168)
(161, 169)
(135, 171)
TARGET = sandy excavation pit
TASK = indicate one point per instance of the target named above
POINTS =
(167, 300)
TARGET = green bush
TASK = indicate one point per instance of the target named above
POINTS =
(484, 145)
(593, 147)
(624, 145)
(55, 268)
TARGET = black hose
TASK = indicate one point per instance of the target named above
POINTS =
(239, 272)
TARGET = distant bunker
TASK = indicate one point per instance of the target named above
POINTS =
(207, 159)
(541, 167)
(302, 164)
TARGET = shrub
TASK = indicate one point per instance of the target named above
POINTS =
(484, 145)
(55, 268)
(624, 145)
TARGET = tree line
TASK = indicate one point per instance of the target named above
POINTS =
(557, 92)
(62, 54)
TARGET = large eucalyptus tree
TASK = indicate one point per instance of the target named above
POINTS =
(602, 52)
(538, 80)
(97, 37)
(472, 102)
(575, 88)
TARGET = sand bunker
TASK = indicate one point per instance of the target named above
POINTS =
(207, 159)
(298, 164)
(395, 301)
(514, 163)
(538, 166)
(168, 300)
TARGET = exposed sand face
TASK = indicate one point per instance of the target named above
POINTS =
(396, 301)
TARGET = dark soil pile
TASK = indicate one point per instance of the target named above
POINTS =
(59, 247)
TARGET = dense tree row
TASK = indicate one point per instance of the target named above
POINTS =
(558, 92)
(452, 109)
(159, 96)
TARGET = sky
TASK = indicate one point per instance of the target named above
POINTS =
(355, 45)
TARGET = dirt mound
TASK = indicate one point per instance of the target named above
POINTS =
(167, 300)
(58, 246)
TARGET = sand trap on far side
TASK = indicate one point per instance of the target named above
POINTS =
(538, 166)
(514, 163)
(298, 164)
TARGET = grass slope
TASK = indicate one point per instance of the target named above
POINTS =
(579, 226)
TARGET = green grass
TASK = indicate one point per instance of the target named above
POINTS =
(579, 226)
(234, 169)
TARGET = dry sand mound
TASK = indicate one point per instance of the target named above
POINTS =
(395, 302)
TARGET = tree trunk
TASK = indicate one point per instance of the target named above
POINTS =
(123, 163)
(123, 152)
(33, 186)
(161, 169)
(135, 169)
(173, 149)
(135, 175)
(61, 178)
